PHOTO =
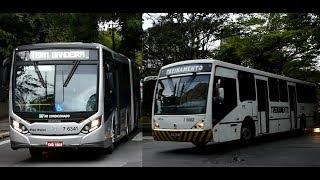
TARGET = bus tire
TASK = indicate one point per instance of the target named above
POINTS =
(247, 132)
(35, 153)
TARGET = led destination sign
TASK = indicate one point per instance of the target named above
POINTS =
(189, 68)
(57, 54)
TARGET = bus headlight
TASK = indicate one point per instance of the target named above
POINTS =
(199, 125)
(156, 125)
(91, 126)
(19, 127)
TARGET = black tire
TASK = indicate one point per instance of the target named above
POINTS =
(35, 153)
(247, 133)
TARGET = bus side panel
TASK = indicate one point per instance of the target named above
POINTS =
(308, 110)
(279, 117)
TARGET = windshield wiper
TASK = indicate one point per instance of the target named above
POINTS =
(188, 83)
(74, 68)
(39, 75)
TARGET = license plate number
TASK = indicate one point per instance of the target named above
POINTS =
(54, 143)
(175, 134)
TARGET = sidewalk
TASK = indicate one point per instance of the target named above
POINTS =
(4, 128)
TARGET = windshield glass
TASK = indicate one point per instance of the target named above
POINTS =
(182, 95)
(79, 95)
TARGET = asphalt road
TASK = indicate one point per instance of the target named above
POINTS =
(280, 150)
(126, 154)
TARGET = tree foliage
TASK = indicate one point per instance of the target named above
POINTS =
(181, 36)
(280, 43)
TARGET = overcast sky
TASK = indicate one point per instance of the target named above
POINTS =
(147, 19)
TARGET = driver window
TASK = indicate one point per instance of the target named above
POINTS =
(221, 108)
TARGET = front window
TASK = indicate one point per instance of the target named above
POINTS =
(182, 95)
(51, 88)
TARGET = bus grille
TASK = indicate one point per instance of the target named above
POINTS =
(184, 136)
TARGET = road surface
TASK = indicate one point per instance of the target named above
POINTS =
(287, 150)
(126, 154)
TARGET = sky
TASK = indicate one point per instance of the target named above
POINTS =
(147, 22)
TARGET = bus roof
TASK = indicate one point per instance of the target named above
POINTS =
(237, 67)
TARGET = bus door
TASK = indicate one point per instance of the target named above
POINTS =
(263, 105)
(117, 124)
(293, 106)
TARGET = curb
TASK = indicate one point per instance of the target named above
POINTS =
(4, 135)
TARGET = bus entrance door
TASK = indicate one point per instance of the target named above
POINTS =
(263, 106)
(293, 106)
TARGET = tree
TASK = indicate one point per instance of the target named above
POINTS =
(277, 42)
(182, 36)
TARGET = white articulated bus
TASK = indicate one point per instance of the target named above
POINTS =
(71, 95)
(203, 101)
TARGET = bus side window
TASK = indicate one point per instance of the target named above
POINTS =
(222, 108)
(247, 89)
(283, 90)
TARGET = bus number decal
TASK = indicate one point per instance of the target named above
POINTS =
(277, 109)
(188, 119)
(74, 128)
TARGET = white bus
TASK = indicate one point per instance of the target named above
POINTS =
(203, 101)
(71, 95)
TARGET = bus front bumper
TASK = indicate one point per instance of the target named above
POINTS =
(91, 140)
(203, 136)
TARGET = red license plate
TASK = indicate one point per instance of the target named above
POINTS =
(55, 143)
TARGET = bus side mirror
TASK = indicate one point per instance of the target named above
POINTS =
(221, 94)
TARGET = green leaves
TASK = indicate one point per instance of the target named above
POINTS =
(277, 42)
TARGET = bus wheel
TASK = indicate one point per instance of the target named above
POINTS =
(35, 153)
(247, 134)
(199, 144)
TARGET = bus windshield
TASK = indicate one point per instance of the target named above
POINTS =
(182, 95)
(55, 88)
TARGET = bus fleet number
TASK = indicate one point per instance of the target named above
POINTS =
(70, 128)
